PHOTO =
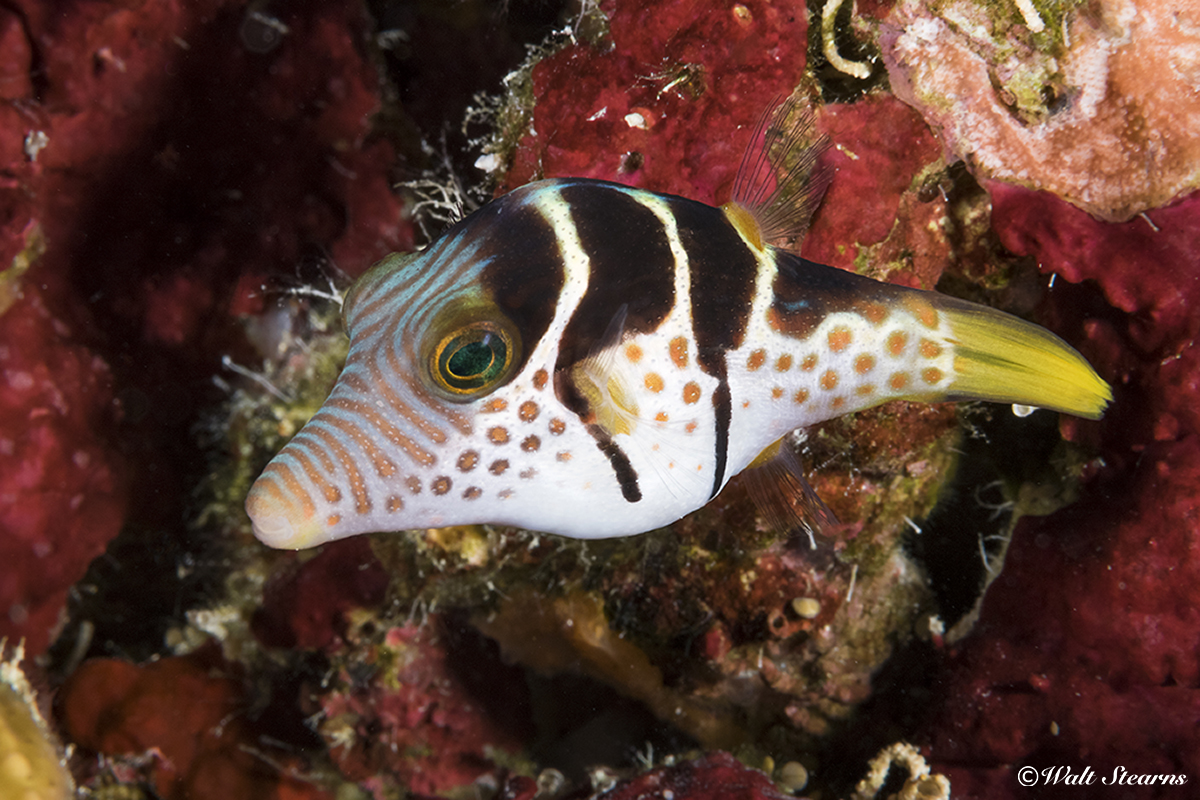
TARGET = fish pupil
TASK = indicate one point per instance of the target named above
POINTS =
(472, 359)
(478, 358)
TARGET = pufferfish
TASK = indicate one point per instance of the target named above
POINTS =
(584, 358)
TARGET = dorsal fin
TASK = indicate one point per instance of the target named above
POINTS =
(782, 177)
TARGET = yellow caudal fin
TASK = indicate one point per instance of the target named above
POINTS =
(1001, 358)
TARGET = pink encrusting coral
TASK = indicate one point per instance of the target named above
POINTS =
(413, 724)
(872, 219)
(1094, 103)
(61, 480)
(670, 106)
(135, 188)
(1085, 653)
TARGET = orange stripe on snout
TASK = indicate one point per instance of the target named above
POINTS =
(358, 487)
(460, 421)
(393, 434)
(284, 479)
(317, 476)
(380, 384)
(384, 466)
(406, 412)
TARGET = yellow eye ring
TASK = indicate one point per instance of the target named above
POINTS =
(472, 360)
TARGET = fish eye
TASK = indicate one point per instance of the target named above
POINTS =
(472, 360)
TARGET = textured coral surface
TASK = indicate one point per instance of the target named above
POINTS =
(61, 487)
(1095, 103)
(137, 188)
(1085, 653)
(163, 163)
(153, 169)
(189, 717)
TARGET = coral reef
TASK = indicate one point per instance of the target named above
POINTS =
(415, 705)
(1084, 654)
(188, 714)
(665, 101)
(61, 479)
(169, 176)
(135, 192)
(1091, 102)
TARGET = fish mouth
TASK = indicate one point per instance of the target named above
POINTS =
(276, 522)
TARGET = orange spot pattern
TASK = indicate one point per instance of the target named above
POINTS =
(839, 339)
(691, 393)
(924, 312)
(654, 382)
(679, 352)
(829, 380)
(874, 312)
(528, 411)
(756, 360)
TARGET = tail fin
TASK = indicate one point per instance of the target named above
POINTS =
(1001, 358)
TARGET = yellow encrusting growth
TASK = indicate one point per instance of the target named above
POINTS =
(30, 765)
(1001, 358)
